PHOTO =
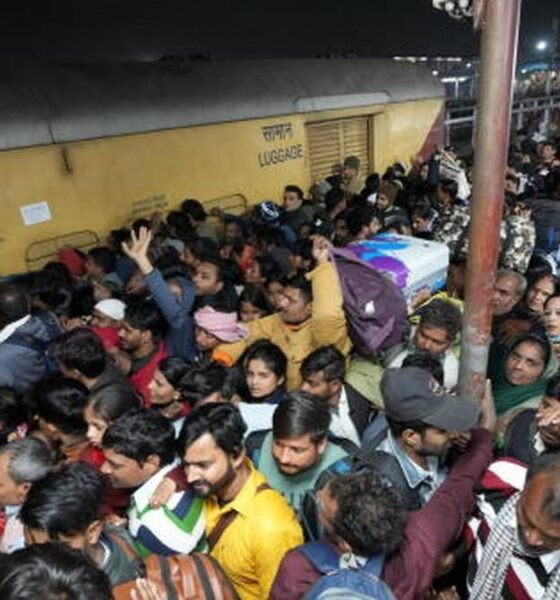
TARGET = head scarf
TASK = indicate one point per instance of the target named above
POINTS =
(220, 324)
(112, 308)
(73, 261)
(508, 396)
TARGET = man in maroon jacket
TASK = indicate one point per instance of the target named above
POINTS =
(428, 532)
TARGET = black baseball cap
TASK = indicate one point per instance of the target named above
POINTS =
(411, 394)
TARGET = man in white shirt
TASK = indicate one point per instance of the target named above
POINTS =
(323, 376)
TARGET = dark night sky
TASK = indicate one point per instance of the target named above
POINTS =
(146, 29)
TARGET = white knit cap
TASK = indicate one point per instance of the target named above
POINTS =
(112, 308)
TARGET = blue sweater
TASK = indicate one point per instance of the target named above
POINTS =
(177, 313)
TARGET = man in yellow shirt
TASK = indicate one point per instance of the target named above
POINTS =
(249, 526)
(310, 316)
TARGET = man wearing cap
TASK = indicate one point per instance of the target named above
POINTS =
(106, 321)
(269, 214)
(352, 182)
(423, 422)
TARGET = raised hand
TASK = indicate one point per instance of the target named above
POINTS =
(137, 249)
(321, 249)
(488, 419)
(163, 493)
(147, 590)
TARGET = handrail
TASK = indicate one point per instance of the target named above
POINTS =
(465, 115)
(39, 252)
(519, 107)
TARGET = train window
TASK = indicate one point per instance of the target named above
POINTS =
(329, 142)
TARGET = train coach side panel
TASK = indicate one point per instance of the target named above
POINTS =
(407, 126)
(102, 184)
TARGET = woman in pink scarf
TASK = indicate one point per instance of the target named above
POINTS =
(213, 328)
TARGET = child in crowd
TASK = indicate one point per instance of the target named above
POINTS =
(264, 367)
(214, 328)
(253, 304)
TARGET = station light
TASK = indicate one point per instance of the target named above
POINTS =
(458, 9)
(541, 45)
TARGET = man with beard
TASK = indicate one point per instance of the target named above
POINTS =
(323, 376)
(297, 451)
(141, 337)
(424, 422)
(440, 323)
(309, 315)
(249, 526)
(517, 551)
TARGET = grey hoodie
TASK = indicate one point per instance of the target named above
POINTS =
(23, 354)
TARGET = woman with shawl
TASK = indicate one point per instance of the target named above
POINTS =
(521, 380)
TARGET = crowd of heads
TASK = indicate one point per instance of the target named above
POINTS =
(163, 368)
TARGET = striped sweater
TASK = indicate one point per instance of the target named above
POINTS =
(176, 528)
(526, 576)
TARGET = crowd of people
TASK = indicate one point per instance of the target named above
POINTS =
(184, 412)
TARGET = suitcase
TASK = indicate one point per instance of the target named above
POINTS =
(415, 265)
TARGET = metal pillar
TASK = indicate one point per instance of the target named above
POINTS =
(498, 57)
(551, 62)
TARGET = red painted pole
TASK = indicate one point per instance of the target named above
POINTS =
(500, 29)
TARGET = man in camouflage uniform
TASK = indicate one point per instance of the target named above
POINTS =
(517, 236)
(452, 226)
(517, 232)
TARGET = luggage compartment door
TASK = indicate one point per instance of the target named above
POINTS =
(330, 142)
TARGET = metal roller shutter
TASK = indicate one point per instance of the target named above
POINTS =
(330, 142)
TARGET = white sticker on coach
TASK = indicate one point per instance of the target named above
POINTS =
(35, 213)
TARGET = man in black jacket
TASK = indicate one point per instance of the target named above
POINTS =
(323, 375)
(79, 355)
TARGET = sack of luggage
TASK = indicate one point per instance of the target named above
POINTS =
(375, 307)
(188, 576)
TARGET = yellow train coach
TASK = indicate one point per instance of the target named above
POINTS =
(87, 148)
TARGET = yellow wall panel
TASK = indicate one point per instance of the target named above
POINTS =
(102, 181)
